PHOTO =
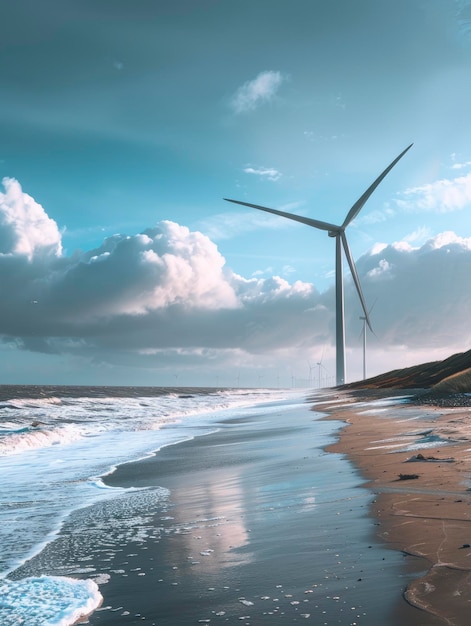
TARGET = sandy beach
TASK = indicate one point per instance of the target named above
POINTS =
(422, 494)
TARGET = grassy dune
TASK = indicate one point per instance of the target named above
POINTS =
(452, 375)
(456, 383)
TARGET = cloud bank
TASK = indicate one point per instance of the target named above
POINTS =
(166, 295)
(422, 293)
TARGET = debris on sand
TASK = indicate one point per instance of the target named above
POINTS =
(408, 476)
(421, 457)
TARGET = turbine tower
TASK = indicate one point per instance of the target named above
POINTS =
(363, 336)
(338, 232)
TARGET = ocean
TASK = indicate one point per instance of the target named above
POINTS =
(57, 444)
(64, 522)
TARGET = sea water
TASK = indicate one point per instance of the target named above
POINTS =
(56, 445)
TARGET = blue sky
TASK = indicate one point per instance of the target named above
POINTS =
(124, 125)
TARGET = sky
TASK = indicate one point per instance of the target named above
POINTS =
(123, 126)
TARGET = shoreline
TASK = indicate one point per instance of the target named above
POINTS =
(254, 532)
(422, 504)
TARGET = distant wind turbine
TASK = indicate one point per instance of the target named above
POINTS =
(311, 367)
(338, 232)
(321, 367)
(363, 335)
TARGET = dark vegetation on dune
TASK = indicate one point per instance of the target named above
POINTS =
(438, 380)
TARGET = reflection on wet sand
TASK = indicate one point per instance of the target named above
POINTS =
(212, 521)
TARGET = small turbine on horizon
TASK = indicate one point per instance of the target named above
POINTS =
(321, 367)
(338, 232)
(310, 379)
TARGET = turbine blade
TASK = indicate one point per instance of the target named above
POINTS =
(371, 308)
(290, 216)
(356, 208)
(356, 280)
(373, 305)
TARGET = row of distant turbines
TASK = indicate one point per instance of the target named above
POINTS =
(338, 232)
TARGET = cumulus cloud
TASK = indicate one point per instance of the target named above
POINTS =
(256, 92)
(25, 228)
(165, 266)
(165, 294)
(167, 287)
(421, 292)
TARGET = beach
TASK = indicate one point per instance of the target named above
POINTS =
(261, 526)
(416, 459)
(338, 507)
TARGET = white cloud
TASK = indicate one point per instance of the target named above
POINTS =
(419, 235)
(166, 294)
(264, 272)
(460, 166)
(260, 90)
(441, 196)
(449, 238)
(25, 229)
(166, 266)
(422, 296)
(383, 268)
(378, 248)
(264, 172)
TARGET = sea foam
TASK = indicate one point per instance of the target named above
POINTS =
(47, 601)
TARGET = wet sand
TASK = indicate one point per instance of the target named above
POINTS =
(422, 495)
(261, 526)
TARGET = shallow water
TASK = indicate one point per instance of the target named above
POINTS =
(56, 444)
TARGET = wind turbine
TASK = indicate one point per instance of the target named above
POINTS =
(321, 367)
(363, 335)
(338, 232)
(311, 367)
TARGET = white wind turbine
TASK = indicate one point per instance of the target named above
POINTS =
(321, 367)
(310, 379)
(363, 336)
(338, 232)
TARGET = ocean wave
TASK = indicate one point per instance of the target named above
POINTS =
(34, 437)
(28, 424)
